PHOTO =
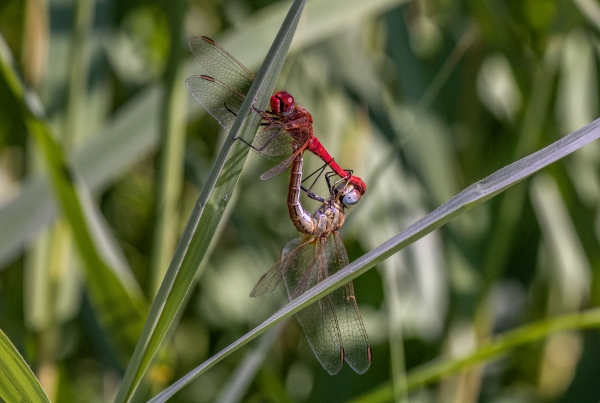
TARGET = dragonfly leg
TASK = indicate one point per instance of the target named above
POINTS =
(237, 137)
(264, 116)
(245, 142)
(230, 111)
(257, 149)
(328, 180)
(262, 147)
(312, 195)
(346, 178)
(318, 172)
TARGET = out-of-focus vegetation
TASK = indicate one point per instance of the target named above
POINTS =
(419, 98)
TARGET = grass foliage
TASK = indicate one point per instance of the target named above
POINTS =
(131, 231)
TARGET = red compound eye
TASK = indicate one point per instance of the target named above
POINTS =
(282, 103)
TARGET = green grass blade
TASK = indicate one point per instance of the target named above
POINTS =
(121, 309)
(208, 211)
(133, 132)
(239, 383)
(17, 382)
(501, 345)
(467, 199)
(124, 140)
(125, 320)
(169, 166)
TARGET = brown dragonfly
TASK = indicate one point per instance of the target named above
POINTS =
(332, 325)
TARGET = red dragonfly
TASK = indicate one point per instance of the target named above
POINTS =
(332, 325)
(288, 128)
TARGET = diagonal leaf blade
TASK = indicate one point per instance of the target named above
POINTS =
(469, 198)
(208, 211)
(498, 347)
(125, 320)
(134, 129)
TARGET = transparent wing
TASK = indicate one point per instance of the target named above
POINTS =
(282, 140)
(279, 168)
(274, 142)
(351, 327)
(222, 94)
(272, 277)
(268, 281)
(223, 103)
(318, 320)
(220, 64)
(282, 137)
(220, 100)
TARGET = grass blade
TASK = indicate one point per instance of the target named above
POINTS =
(125, 319)
(467, 199)
(498, 347)
(17, 382)
(169, 166)
(208, 211)
(236, 387)
(133, 132)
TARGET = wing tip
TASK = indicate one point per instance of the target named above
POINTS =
(363, 368)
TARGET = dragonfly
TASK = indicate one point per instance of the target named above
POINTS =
(332, 325)
(287, 128)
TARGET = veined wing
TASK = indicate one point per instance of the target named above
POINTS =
(272, 277)
(223, 103)
(273, 142)
(220, 64)
(220, 100)
(267, 281)
(279, 168)
(318, 320)
(280, 138)
(222, 94)
(351, 327)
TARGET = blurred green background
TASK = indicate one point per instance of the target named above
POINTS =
(419, 98)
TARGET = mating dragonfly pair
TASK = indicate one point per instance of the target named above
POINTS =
(332, 325)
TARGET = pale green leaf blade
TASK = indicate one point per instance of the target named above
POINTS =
(467, 199)
(17, 382)
(124, 319)
(133, 131)
(497, 348)
(120, 304)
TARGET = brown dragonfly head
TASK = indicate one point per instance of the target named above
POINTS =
(347, 194)
(282, 103)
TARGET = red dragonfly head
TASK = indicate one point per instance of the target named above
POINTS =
(282, 103)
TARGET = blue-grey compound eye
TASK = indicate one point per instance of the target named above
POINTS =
(352, 197)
